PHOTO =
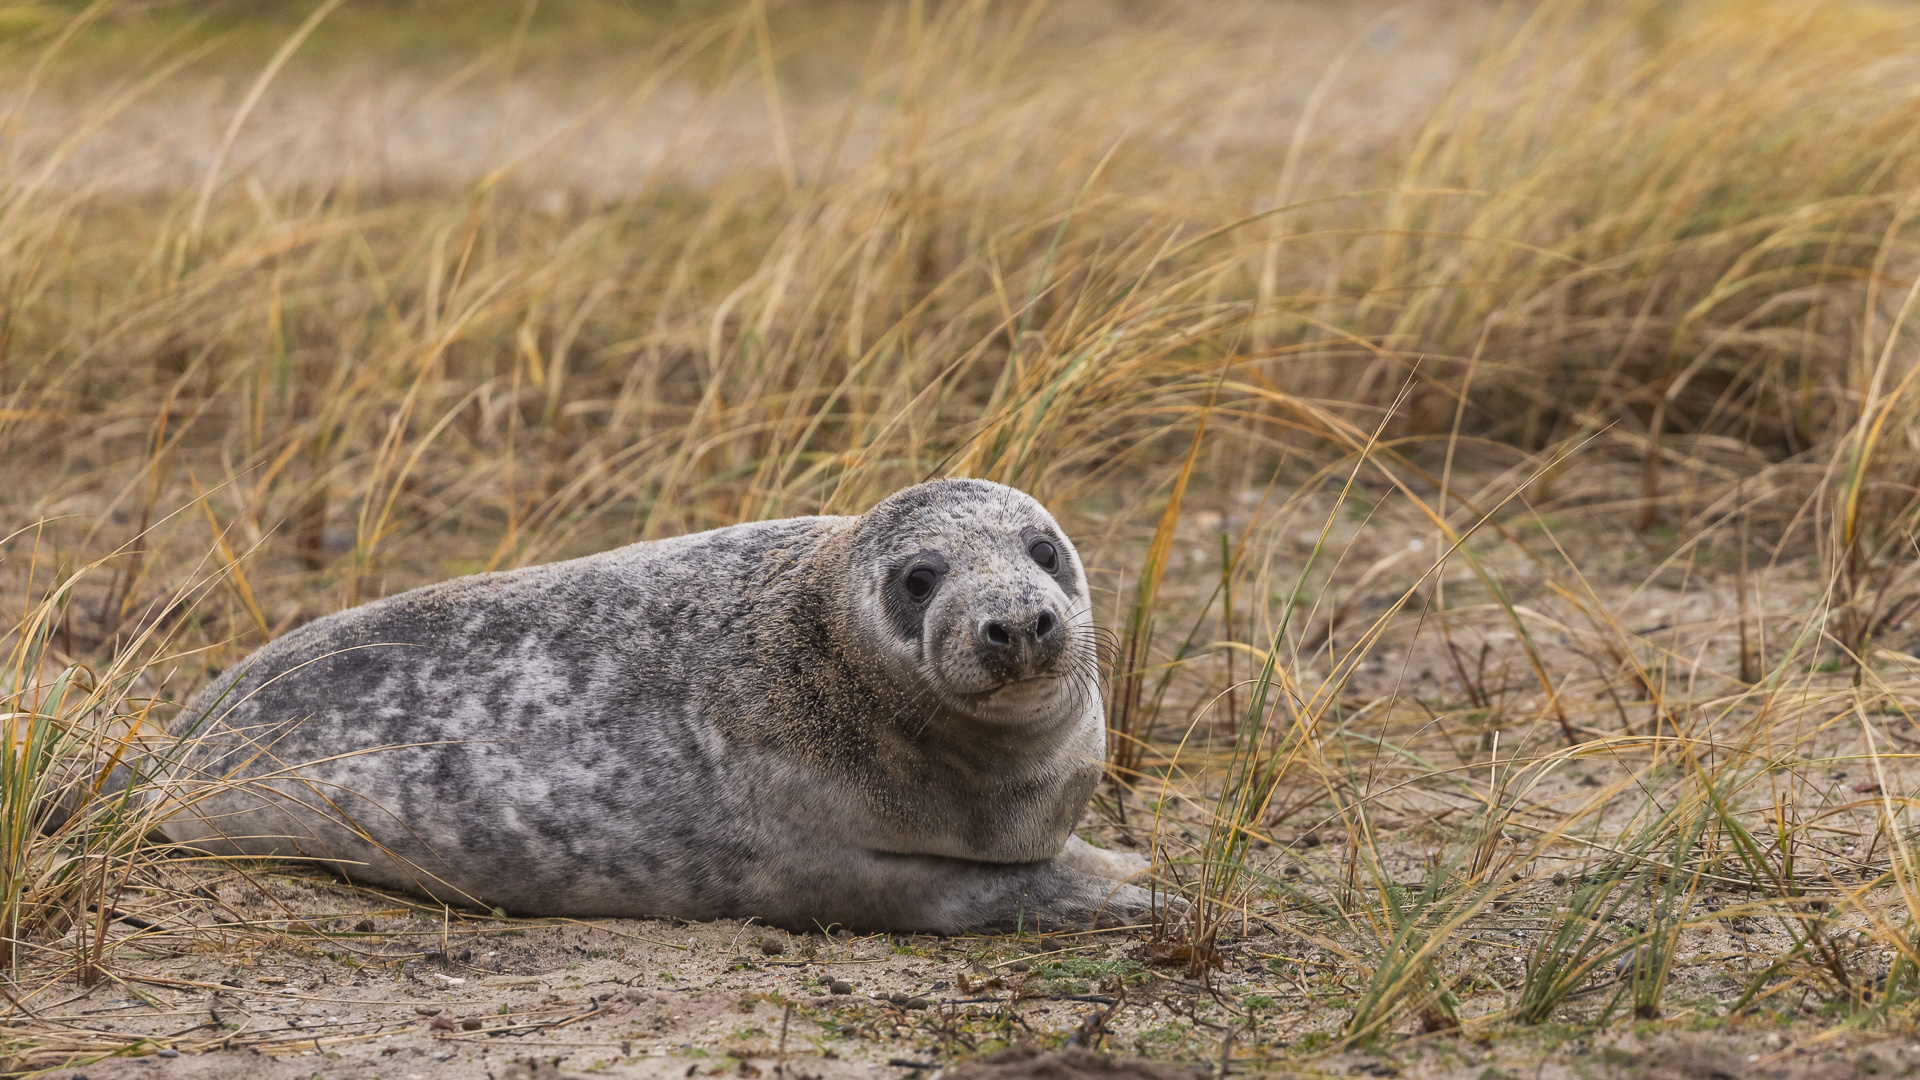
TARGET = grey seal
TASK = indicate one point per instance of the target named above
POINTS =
(888, 722)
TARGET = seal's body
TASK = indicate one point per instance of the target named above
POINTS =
(888, 722)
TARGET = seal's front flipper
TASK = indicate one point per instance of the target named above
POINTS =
(936, 894)
(1101, 862)
(1056, 896)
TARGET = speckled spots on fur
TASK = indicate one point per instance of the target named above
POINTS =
(724, 724)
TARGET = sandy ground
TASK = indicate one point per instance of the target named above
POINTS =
(421, 997)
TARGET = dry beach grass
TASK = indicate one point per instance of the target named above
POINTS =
(1492, 428)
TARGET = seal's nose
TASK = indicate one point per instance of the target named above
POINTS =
(1022, 643)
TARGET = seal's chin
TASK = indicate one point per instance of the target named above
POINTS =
(1020, 700)
(1040, 688)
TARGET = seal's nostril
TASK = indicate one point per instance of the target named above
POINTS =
(1043, 625)
(997, 634)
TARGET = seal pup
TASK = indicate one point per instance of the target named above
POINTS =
(888, 722)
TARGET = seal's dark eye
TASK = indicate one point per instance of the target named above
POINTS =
(1045, 554)
(920, 581)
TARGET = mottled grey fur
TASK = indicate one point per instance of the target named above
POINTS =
(754, 721)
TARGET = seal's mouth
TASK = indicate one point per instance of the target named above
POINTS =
(1024, 689)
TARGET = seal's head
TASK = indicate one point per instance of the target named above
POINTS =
(975, 588)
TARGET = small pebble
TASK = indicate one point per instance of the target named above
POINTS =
(916, 1003)
(1624, 966)
(471, 1023)
(898, 998)
(840, 986)
(1310, 840)
(442, 1023)
(427, 1010)
(169, 1052)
